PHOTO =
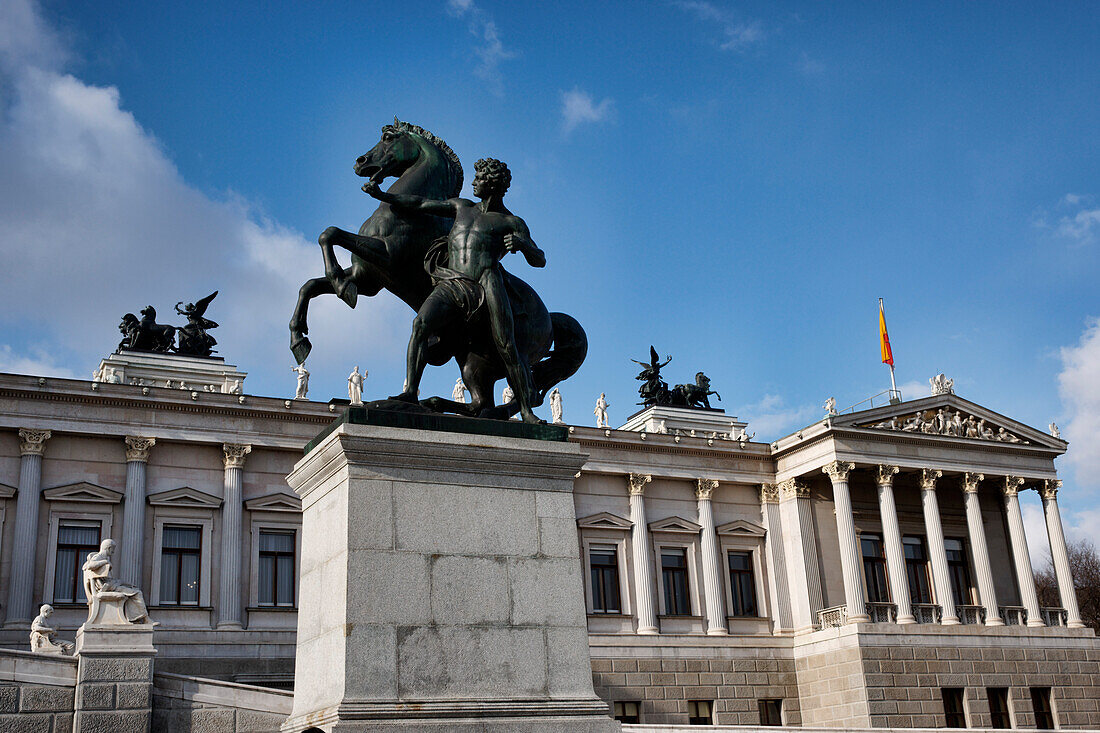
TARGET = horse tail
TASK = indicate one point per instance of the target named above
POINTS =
(569, 348)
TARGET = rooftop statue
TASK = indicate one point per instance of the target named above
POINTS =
(655, 391)
(442, 254)
(146, 334)
(193, 338)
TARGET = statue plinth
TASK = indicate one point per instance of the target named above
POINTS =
(441, 584)
(173, 371)
(665, 419)
(118, 656)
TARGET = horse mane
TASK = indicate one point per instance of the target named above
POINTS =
(441, 145)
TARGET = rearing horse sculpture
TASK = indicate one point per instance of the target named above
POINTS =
(390, 251)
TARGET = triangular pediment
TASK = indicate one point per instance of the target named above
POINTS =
(741, 528)
(185, 496)
(948, 416)
(675, 524)
(7, 492)
(82, 491)
(276, 502)
(604, 520)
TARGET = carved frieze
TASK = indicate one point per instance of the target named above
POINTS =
(948, 422)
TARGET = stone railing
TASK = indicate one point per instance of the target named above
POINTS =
(1054, 616)
(1014, 615)
(927, 613)
(971, 614)
(882, 613)
(831, 618)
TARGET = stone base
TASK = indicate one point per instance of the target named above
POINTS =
(441, 585)
(659, 419)
(114, 678)
(148, 369)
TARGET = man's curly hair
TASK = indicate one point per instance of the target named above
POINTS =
(495, 172)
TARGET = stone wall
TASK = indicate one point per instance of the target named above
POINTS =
(36, 692)
(184, 704)
(830, 687)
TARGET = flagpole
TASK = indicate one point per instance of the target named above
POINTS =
(887, 354)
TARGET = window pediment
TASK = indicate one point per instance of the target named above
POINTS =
(82, 491)
(275, 502)
(604, 520)
(741, 528)
(185, 496)
(678, 525)
(7, 492)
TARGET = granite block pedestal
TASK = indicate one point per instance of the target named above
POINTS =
(441, 586)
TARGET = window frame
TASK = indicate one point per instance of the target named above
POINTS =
(1007, 713)
(964, 563)
(104, 517)
(913, 597)
(261, 553)
(697, 720)
(689, 544)
(743, 536)
(1046, 694)
(619, 716)
(684, 550)
(258, 525)
(607, 538)
(879, 560)
(762, 707)
(945, 693)
(753, 575)
(179, 553)
(183, 517)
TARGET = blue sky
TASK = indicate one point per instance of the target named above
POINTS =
(735, 183)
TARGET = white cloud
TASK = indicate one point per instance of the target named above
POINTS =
(35, 361)
(1079, 221)
(578, 107)
(489, 50)
(1079, 387)
(737, 35)
(96, 221)
(771, 417)
(914, 390)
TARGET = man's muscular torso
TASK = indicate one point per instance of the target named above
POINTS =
(476, 241)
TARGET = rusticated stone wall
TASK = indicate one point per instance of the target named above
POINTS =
(30, 707)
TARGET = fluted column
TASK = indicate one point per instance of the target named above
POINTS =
(937, 551)
(800, 548)
(774, 558)
(645, 593)
(891, 538)
(712, 569)
(980, 549)
(133, 510)
(229, 597)
(20, 609)
(850, 561)
(1059, 553)
(1025, 577)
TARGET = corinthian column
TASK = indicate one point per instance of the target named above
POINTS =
(980, 550)
(229, 596)
(774, 558)
(32, 443)
(849, 545)
(133, 511)
(891, 537)
(936, 549)
(800, 548)
(1059, 554)
(1025, 577)
(644, 590)
(712, 571)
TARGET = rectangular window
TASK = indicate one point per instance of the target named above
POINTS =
(1044, 711)
(604, 563)
(998, 707)
(953, 707)
(674, 575)
(700, 712)
(916, 569)
(276, 569)
(959, 571)
(874, 568)
(627, 712)
(75, 540)
(771, 712)
(742, 584)
(180, 565)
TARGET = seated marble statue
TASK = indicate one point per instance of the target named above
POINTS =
(110, 601)
(42, 635)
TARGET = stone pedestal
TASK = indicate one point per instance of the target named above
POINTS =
(441, 585)
(662, 419)
(114, 678)
(195, 373)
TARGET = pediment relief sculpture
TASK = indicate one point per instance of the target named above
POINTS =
(948, 422)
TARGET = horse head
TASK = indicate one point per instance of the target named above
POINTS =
(149, 313)
(702, 380)
(401, 146)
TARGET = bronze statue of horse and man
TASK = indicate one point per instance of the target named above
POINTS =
(441, 254)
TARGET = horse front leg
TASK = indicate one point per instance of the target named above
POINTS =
(299, 344)
(370, 249)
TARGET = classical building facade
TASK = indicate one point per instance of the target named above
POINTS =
(870, 570)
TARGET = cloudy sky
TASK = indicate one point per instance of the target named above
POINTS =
(735, 183)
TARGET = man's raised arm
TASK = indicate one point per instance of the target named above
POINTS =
(520, 241)
(434, 207)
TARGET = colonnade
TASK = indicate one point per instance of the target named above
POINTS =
(129, 558)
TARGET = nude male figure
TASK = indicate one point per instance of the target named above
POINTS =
(482, 234)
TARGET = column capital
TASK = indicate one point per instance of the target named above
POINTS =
(637, 483)
(137, 448)
(971, 481)
(928, 478)
(1012, 485)
(235, 454)
(793, 488)
(704, 488)
(838, 470)
(886, 473)
(1049, 489)
(769, 493)
(33, 442)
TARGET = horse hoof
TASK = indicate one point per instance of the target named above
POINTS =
(300, 347)
(349, 294)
